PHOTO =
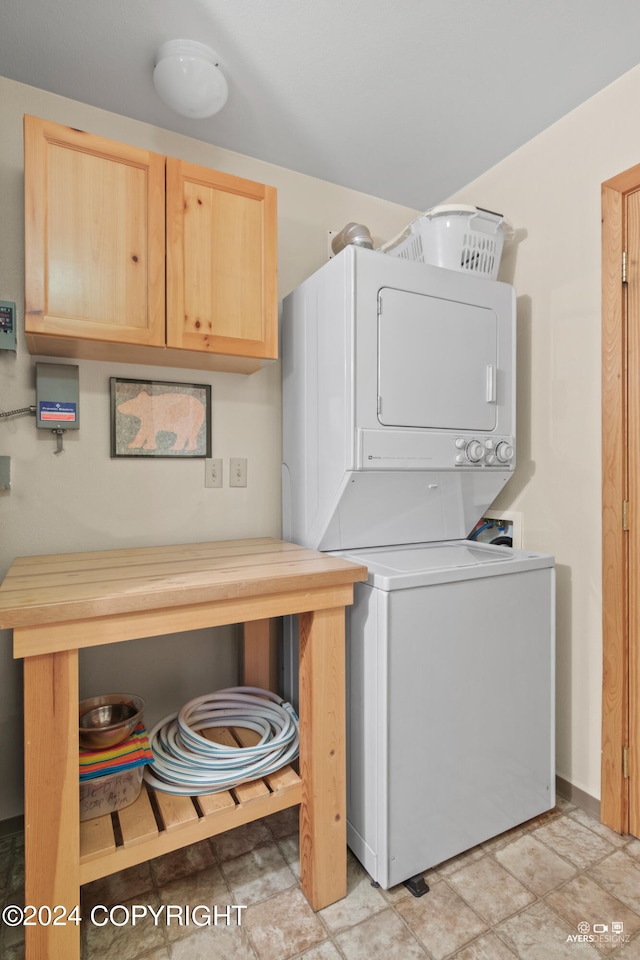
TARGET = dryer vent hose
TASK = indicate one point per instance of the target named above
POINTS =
(503, 541)
(187, 763)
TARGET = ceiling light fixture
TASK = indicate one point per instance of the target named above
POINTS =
(187, 77)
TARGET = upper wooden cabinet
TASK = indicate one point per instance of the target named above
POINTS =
(94, 237)
(109, 228)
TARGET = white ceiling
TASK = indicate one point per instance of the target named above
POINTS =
(408, 100)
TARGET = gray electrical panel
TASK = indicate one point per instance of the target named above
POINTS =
(57, 396)
(7, 325)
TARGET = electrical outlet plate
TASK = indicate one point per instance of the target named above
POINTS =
(213, 472)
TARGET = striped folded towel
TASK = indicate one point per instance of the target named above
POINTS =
(133, 752)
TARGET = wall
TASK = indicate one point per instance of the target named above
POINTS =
(550, 190)
(83, 500)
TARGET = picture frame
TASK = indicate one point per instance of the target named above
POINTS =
(160, 418)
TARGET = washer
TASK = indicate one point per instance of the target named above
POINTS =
(450, 674)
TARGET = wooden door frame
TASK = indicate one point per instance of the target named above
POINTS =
(614, 802)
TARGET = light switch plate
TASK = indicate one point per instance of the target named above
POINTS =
(213, 472)
(238, 472)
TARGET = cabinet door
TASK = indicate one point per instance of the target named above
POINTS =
(94, 237)
(221, 263)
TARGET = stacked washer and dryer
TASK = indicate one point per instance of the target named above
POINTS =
(398, 434)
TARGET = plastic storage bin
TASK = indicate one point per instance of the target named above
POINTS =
(110, 793)
(458, 237)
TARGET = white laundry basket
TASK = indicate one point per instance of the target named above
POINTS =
(458, 237)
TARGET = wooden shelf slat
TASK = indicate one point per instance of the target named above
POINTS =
(96, 837)
(246, 792)
(212, 803)
(282, 778)
(137, 822)
(175, 811)
(142, 839)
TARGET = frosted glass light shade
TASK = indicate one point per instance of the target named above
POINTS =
(187, 77)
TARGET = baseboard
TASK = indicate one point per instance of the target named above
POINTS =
(580, 798)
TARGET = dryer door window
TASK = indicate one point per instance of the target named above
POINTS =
(437, 363)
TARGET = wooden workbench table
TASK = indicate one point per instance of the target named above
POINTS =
(57, 605)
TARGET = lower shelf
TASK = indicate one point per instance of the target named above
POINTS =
(158, 823)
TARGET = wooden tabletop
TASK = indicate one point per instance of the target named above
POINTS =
(77, 586)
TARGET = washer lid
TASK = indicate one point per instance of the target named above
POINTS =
(418, 564)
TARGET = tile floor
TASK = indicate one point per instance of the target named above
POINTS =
(526, 894)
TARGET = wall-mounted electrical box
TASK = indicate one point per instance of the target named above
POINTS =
(5, 473)
(57, 396)
(7, 325)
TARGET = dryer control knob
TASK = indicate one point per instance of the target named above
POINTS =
(474, 451)
(504, 452)
(490, 460)
(460, 442)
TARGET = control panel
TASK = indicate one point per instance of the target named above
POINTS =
(489, 451)
(386, 449)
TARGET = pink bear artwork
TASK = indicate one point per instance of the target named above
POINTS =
(160, 419)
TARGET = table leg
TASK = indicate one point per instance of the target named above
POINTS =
(323, 822)
(260, 654)
(52, 827)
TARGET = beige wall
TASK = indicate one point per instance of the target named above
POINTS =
(550, 189)
(83, 500)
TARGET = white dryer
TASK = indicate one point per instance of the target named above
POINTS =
(398, 401)
(398, 433)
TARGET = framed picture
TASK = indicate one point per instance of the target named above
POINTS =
(155, 418)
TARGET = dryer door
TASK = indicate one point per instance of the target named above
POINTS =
(437, 362)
